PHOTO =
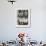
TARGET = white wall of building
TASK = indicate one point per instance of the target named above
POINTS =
(8, 28)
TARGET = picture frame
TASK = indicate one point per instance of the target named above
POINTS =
(23, 17)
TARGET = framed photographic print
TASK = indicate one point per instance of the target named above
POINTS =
(23, 17)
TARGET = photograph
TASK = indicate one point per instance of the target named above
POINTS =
(22, 22)
(23, 18)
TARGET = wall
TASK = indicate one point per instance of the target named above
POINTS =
(8, 28)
